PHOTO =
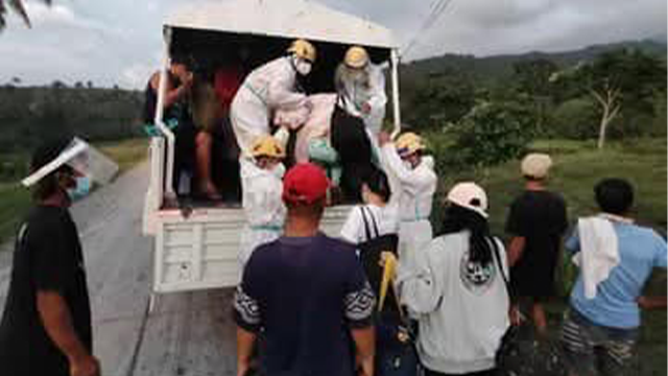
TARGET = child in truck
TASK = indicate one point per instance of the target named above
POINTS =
(262, 184)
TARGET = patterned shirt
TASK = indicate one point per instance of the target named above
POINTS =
(305, 294)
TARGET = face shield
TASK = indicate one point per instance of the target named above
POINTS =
(82, 158)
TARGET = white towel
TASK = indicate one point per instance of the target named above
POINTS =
(599, 252)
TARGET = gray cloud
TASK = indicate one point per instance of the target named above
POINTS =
(118, 42)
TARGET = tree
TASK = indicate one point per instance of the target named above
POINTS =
(620, 79)
(492, 133)
(89, 84)
(18, 8)
(444, 98)
(532, 79)
(78, 85)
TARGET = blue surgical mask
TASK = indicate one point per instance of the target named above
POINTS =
(81, 190)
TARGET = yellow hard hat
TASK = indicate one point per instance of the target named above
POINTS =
(267, 146)
(409, 143)
(303, 49)
(356, 57)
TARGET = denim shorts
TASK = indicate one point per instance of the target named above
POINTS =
(592, 349)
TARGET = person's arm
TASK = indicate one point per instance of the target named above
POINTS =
(415, 282)
(172, 94)
(652, 302)
(245, 344)
(516, 249)
(281, 89)
(57, 321)
(365, 340)
(377, 87)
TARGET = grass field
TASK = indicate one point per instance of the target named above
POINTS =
(15, 199)
(578, 166)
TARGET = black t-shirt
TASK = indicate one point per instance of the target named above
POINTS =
(539, 217)
(47, 257)
(306, 294)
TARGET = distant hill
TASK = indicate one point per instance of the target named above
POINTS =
(29, 114)
(500, 66)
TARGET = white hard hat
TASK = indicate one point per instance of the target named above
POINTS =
(536, 165)
(469, 195)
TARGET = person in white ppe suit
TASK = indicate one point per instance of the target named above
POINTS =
(267, 89)
(262, 182)
(413, 179)
(361, 88)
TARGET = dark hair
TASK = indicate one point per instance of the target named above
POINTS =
(378, 183)
(45, 153)
(457, 219)
(614, 195)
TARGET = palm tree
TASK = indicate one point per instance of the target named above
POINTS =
(16, 6)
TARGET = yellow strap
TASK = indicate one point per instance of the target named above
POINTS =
(389, 267)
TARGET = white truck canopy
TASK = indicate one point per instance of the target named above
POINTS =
(284, 18)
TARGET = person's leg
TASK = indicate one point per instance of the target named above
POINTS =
(539, 318)
(616, 358)
(203, 144)
(578, 348)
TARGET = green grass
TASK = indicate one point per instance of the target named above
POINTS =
(15, 199)
(578, 166)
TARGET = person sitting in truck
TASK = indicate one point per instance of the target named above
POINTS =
(176, 114)
(261, 179)
(413, 179)
(210, 103)
(269, 88)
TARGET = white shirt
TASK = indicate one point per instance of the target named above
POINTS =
(386, 218)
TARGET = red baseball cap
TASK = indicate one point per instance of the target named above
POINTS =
(305, 183)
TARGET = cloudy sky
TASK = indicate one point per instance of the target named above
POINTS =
(118, 42)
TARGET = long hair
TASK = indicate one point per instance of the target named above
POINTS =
(459, 219)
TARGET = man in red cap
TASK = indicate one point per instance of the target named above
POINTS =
(306, 292)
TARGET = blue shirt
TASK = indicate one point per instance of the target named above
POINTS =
(640, 250)
(305, 295)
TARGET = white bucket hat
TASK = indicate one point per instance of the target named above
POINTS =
(536, 165)
(470, 196)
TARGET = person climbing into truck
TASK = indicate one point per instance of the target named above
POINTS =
(269, 88)
(414, 181)
(261, 178)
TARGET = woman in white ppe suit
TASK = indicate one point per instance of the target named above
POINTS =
(361, 88)
(269, 88)
(413, 179)
(262, 182)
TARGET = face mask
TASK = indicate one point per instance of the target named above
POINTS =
(303, 67)
(80, 190)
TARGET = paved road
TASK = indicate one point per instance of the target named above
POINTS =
(187, 334)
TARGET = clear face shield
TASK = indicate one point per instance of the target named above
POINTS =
(85, 160)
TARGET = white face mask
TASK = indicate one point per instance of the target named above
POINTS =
(303, 67)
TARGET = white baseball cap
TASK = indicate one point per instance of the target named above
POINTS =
(470, 196)
(536, 165)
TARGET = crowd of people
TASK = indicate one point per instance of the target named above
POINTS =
(382, 301)
(388, 295)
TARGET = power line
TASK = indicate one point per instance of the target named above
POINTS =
(437, 9)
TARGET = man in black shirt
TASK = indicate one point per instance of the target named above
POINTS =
(537, 221)
(46, 325)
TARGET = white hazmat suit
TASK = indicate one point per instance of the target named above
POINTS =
(263, 206)
(358, 87)
(266, 89)
(414, 189)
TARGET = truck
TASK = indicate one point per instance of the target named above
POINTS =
(197, 248)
